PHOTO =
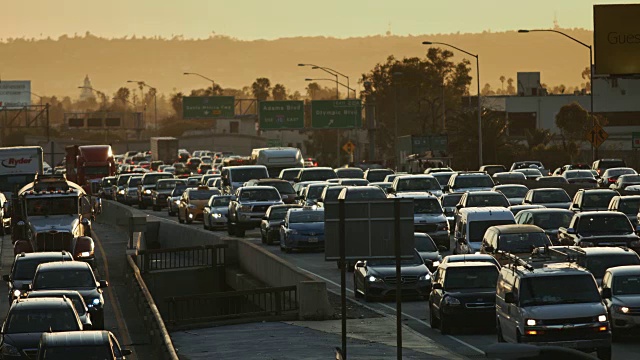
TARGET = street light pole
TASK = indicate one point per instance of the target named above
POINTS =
(213, 83)
(594, 150)
(396, 78)
(480, 160)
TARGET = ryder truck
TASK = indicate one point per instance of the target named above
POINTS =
(18, 167)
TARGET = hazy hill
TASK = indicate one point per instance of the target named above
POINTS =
(57, 67)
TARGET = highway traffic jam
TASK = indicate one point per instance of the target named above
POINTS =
(504, 249)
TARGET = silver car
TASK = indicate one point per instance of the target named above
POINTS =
(215, 212)
(621, 293)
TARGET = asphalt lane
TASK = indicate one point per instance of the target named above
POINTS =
(468, 342)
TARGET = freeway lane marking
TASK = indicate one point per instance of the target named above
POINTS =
(394, 310)
(122, 326)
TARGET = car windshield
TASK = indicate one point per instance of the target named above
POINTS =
(377, 176)
(314, 192)
(618, 172)
(84, 352)
(578, 174)
(417, 184)
(365, 193)
(558, 289)
(314, 216)
(473, 182)
(122, 180)
(486, 200)
(320, 174)
(523, 242)
(78, 304)
(424, 244)
(478, 228)
(415, 260)
(221, 201)
(626, 285)
(283, 187)
(481, 277)
(244, 175)
(203, 194)
(25, 269)
(289, 175)
(108, 182)
(514, 191)
(260, 195)
(630, 178)
(152, 179)
(48, 206)
(96, 170)
(629, 206)
(426, 206)
(178, 191)
(36, 320)
(598, 264)
(443, 178)
(552, 220)
(552, 196)
(278, 213)
(451, 200)
(354, 173)
(134, 181)
(64, 279)
(165, 185)
(605, 224)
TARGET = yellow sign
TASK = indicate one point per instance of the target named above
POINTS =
(616, 39)
(349, 147)
(596, 136)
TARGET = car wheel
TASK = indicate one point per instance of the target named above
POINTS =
(2, 231)
(445, 328)
(356, 292)
(367, 297)
(180, 218)
(230, 229)
(604, 353)
(204, 224)
(434, 322)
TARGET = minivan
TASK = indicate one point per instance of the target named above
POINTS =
(472, 223)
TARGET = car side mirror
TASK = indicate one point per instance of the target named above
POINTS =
(459, 206)
(571, 231)
(638, 229)
(296, 179)
(510, 298)
(104, 284)
(6, 278)
(445, 188)
(526, 201)
(437, 286)
(125, 352)
(575, 207)
(606, 293)
(391, 191)
(360, 264)
(457, 235)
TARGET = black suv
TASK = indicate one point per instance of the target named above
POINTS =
(463, 292)
(162, 191)
(74, 275)
(270, 225)
(24, 267)
(248, 207)
(28, 319)
(147, 185)
(80, 345)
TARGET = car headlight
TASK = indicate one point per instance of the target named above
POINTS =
(531, 322)
(177, 202)
(16, 293)
(374, 279)
(451, 301)
(603, 317)
(10, 350)
(435, 263)
(621, 309)
(147, 192)
(121, 192)
(94, 303)
(216, 215)
(425, 277)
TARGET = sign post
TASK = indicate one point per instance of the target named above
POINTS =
(597, 135)
(281, 115)
(208, 107)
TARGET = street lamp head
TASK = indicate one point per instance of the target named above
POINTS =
(302, 64)
(315, 67)
(427, 43)
(187, 73)
(131, 81)
(523, 31)
(308, 79)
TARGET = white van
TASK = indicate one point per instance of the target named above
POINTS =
(473, 222)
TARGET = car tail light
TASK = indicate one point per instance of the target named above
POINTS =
(612, 180)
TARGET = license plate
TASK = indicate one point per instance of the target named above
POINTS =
(313, 239)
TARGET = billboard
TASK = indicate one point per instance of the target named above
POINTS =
(15, 94)
(616, 39)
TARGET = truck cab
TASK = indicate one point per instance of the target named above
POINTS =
(53, 214)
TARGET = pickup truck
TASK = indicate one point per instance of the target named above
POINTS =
(248, 207)
(600, 228)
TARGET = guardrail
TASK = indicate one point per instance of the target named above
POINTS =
(277, 302)
(160, 339)
(182, 258)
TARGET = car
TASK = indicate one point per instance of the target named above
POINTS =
(624, 181)
(24, 267)
(214, 214)
(74, 275)
(515, 209)
(192, 203)
(376, 278)
(173, 200)
(206, 177)
(5, 215)
(76, 299)
(548, 197)
(472, 223)
(120, 187)
(287, 193)
(609, 176)
(192, 164)
(415, 183)
(463, 293)
(601, 165)
(514, 239)
(514, 192)
(550, 220)
(248, 207)
(289, 174)
(599, 228)
(315, 174)
(492, 169)
(28, 319)
(481, 199)
(470, 258)
(194, 180)
(376, 175)
(428, 217)
(162, 191)
(203, 168)
(353, 182)
(350, 173)
(272, 220)
(582, 177)
(628, 205)
(106, 187)
(434, 170)
(310, 195)
(389, 178)
(508, 177)
(576, 166)
(428, 250)
(592, 200)
(93, 344)
(530, 174)
(147, 186)
(169, 170)
(529, 165)
(443, 177)
(469, 181)
(552, 180)
(303, 228)
(329, 193)
(385, 186)
(621, 293)
(361, 193)
(131, 190)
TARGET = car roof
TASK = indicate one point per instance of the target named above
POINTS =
(256, 187)
(547, 189)
(284, 206)
(548, 210)
(487, 209)
(467, 264)
(316, 168)
(26, 304)
(561, 268)
(484, 192)
(518, 229)
(625, 270)
(53, 293)
(469, 257)
(604, 191)
(498, 187)
(75, 338)
(604, 250)
(45, 255)
(269, 180)
(303, 209)
(416, 195)
(600, 213)
(416, 176)
(66, 265)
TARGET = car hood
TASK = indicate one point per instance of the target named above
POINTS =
(515, 200)
(164, 191)
(627, 300)
(555, 205)
(565, 311)
(64, 223)
(199, 203)
(429, 218)
(318, 226)
(390, 270)
(220, 210)
(259, 203)
(23, 340)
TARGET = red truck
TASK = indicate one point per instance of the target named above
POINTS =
(87, 164)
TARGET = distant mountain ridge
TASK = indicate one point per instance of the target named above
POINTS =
(57, 67)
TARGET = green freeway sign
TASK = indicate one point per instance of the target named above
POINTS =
(336, 114)
(281, 115)
(208, 107)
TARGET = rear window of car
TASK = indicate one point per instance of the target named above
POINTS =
(203, 194)
(471, 278)
(41, 320)
(283, 187)
(606, 164)
(313, 175)
(451, 200)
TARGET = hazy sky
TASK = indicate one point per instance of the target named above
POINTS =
(270, 19)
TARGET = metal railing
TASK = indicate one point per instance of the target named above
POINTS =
(182, 258)
(256, 303)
